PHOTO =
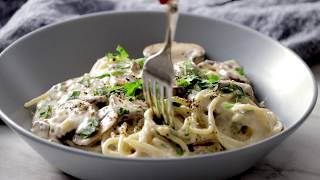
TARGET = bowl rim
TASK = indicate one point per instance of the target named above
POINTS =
(12, 124)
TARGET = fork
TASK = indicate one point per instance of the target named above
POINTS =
(158, 72)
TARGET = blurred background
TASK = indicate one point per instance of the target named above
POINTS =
(295, 23)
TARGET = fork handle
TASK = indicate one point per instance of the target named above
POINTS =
(172, 18)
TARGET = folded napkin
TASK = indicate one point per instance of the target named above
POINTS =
(295, 23)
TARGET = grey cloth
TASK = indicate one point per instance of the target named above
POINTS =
(295, 23)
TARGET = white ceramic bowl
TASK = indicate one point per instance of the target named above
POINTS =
(55, 53)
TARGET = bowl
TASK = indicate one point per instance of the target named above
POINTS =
(55, 53)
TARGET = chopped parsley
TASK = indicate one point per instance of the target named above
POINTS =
(103, 76)
(117, 73)
(187, 131)
(228, 105)
(188, 81)
(190, 68)
(133, 88)
(140, 61)
(74, 95)
(119, 55)
(92, 126)
(130, 89)
(107, 90)
(212, 79)
(122, 111)
(240, 71)
(176, 104)
(232, 88)
(183, 82)
(45, 112)
(197, 82)
(179, 150)
(195, 79)
(85, 81)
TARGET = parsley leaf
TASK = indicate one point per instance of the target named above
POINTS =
(240, 71)
(140, 61)
(123, 53)
(103, 76)
(92, 126)
(119, 55)
(232, 88)
(197, 82)
(85, 81)
(176, 104)
(179, 150)
(183, 82)
(107, 90)
(132, 88)
(74, 95)
(117, 73)
(188, 81)
(189, 68)
(212, 79)
(228, 105)
(122, 111)
(45, 112)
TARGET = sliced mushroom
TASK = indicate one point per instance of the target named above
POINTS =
(180, 51)
(110, 116)
(94, 99)
(106, 123)
(40, 128)
(247, 89)
(227, 70)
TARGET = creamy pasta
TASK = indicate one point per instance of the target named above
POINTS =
(104, 110)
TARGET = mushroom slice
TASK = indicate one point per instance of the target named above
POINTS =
(117, 110)
(180, 51)
(247, 89)
(40, 128)
(105, 124)
(226, 70)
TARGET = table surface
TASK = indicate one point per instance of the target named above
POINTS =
(298, 157)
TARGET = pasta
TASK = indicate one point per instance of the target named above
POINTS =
(214, 109)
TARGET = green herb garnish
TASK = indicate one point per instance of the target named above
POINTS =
(103, 76)
(232, 88)
(45, 112)
(183, 82)
(132, 88)
(190, 68)
(85, 81)
(74, 95)
(179, 150)
(92, 126)
(107, 90)
(212, 79)
(188, 81)
(122, 111)
(140, 61)
(117, 73)
(240, 71)
(119, 55)
(228, 105)
(197, 82)
(176, 104)
(195, 79)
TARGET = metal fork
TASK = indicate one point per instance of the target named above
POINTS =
(158, 72)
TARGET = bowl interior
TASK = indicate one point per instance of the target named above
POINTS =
(51, 55)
